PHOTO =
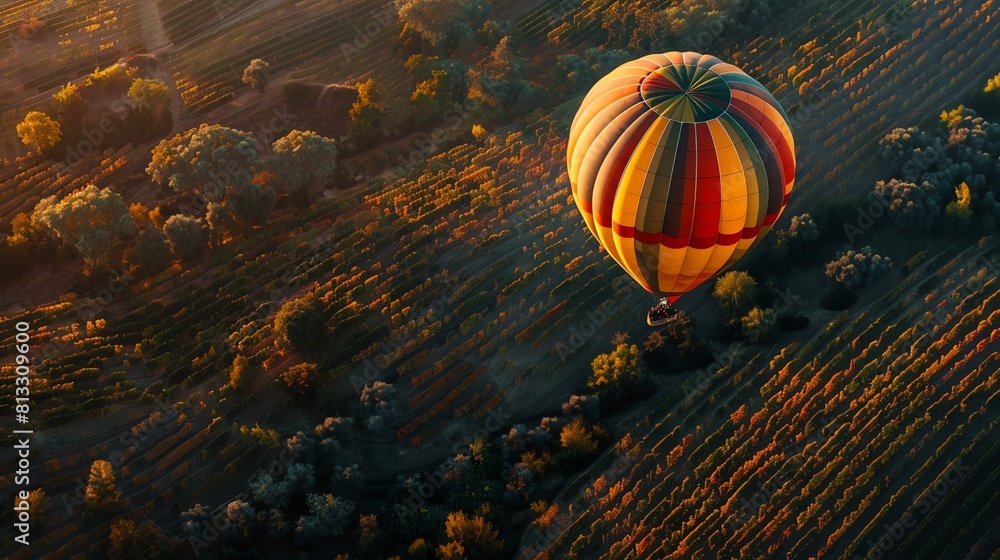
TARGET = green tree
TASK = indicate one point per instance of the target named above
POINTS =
(90, 220)
(497, 82)
(442, 23)
(209, 160)
(152, 99)
(760, 325)
(329, 516)
(102, 496)
(365, 117)
(856, 269)
(70, 109)
(426, 99)
(618, 373)
(130, 540)
(185, 237)
(299, 325)
(735, 291)
(40, 131)
(218, 164)
(803, 229)
(256, 75)
(302, 160)
(151, 252)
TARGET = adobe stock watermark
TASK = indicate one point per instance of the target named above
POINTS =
(87, 309)
(893, 534)
(541, 539)
(749, 506)
(434, 480)
(426, 145)
(133, 438)
(374, 367)
(378, 22)
(898, 19)
(913, 169)
(701, 39)
(940, 315)
(93, 138)
(201, 536)
(590, 325)
(867, 215)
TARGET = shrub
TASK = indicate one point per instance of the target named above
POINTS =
(760, 325)
(911, 206)
(617, 374)
(256, 75)
(185, 237)
(856, 269)
(735, 291)
(301, 378)
(299, 325)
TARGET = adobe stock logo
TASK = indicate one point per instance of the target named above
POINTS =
(923, 505)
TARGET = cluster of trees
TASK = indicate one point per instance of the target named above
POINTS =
(619, 374)
(947, 180)
(310, 499)
(222, 169)
(444, 25)
(856, 269)
(661, 26)
(737, 292)
(70, 127)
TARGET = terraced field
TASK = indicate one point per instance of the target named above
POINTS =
(466, 279)
(879, 430)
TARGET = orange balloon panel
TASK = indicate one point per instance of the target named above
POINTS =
(679, 163)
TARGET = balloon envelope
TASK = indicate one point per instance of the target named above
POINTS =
(679, 163)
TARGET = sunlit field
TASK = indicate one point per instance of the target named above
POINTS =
(311, 279)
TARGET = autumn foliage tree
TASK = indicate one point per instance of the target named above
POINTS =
(102, 496)
(184, 235)
(91, 220)
(735, 291)
(39, 131)
(366, 115)
(617, 374)
(472, 536)
(256, 75)
(130, 540)
(302, 160)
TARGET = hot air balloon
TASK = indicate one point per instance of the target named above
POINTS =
(680, 163)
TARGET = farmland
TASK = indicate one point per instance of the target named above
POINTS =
(448, 260)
